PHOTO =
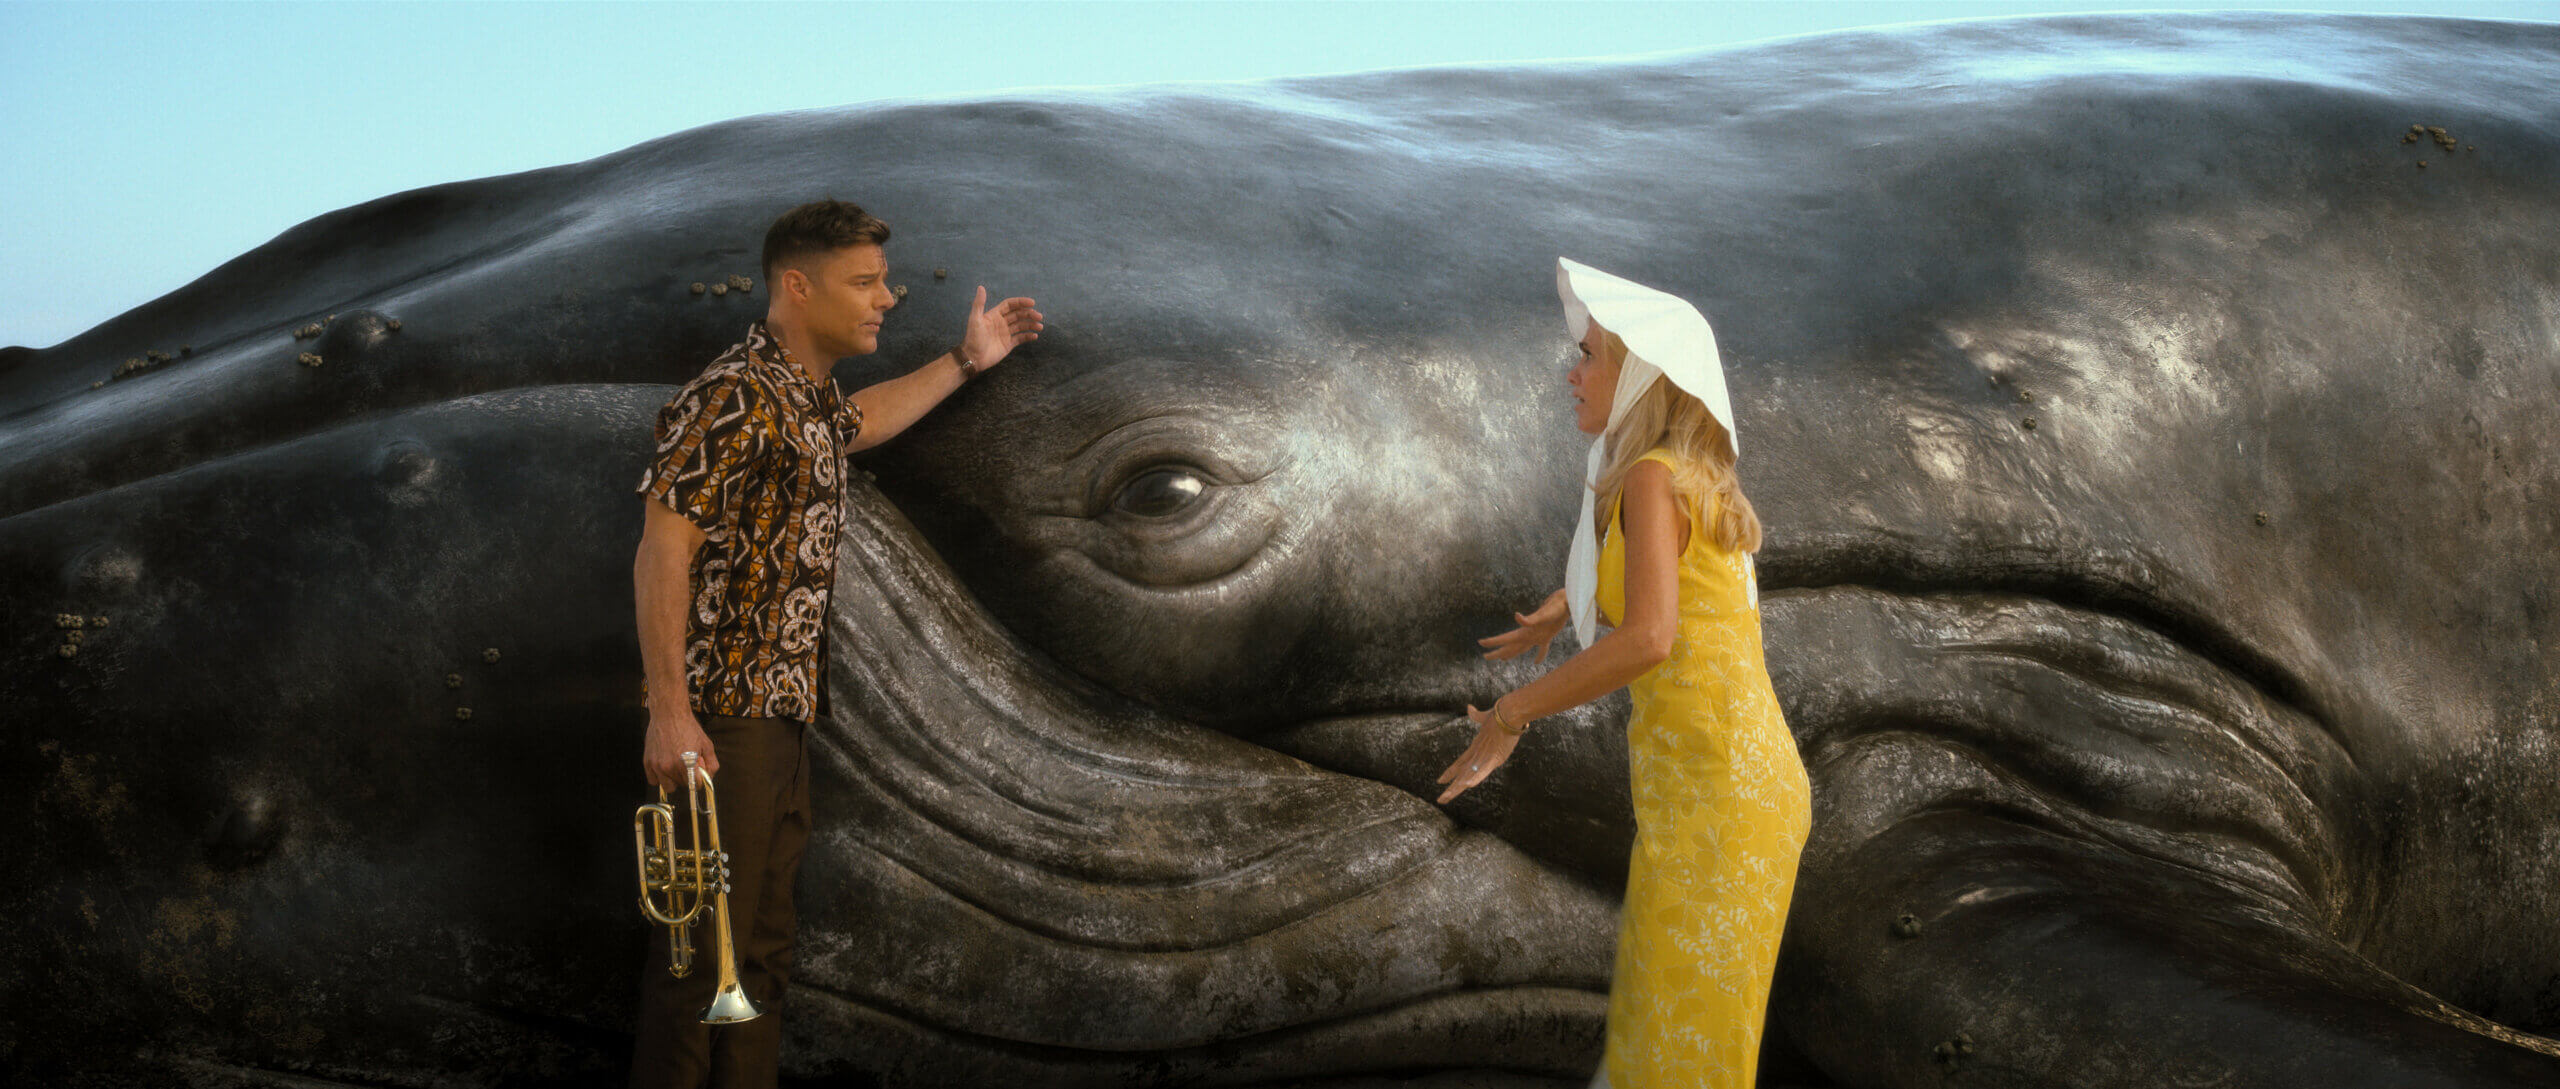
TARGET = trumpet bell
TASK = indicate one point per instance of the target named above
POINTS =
(730, 1006)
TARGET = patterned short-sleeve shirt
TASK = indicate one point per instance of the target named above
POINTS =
(752, 451)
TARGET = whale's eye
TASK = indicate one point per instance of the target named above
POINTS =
(1159, 493)
(1172, 499)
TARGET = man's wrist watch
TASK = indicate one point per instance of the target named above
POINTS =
(968, 367)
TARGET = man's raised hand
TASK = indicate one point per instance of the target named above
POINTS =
(994, 333)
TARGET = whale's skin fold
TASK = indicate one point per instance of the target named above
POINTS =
(2150, 414)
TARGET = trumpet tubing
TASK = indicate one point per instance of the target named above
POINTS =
(691, 880)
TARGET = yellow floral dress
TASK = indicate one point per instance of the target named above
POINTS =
(1722, 809)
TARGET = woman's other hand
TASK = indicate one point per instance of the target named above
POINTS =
(1492, 746)
(1538, 628)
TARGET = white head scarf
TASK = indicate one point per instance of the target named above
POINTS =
(1665, 338)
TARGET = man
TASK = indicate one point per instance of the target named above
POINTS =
(737, 557)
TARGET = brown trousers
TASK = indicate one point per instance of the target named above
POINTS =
(763, 786)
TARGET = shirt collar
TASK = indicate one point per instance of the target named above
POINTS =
(764, 349)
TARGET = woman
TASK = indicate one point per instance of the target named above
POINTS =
(1721, 800)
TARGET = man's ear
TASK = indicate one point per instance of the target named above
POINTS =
(794, 283)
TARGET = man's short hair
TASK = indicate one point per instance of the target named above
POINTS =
(818, 227)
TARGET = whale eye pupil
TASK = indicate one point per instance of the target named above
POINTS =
(1159, 493)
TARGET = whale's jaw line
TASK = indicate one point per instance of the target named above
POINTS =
(1525, 1036)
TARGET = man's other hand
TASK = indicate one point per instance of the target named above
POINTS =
(671, 735)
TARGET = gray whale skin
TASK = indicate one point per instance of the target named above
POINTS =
(2161, 581)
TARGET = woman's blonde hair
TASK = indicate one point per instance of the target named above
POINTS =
(1702, 469)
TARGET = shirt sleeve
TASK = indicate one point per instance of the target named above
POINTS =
(848, 424)
(708, 438)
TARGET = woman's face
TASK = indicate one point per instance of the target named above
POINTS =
(1594, 379)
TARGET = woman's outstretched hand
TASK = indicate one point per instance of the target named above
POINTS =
(1492, 746)
(1537, 628)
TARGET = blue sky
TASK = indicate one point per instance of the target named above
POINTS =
(150, 142)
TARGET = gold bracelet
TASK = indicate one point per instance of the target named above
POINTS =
(1506, 727)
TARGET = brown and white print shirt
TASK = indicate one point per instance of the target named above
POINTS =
(752, 450)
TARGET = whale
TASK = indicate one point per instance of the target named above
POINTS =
(2147, 411)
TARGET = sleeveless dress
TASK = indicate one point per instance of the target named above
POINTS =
(1722, 810)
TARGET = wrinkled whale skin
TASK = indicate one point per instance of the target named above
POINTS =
(2161, 568)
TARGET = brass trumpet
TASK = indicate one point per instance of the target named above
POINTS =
(692, 879)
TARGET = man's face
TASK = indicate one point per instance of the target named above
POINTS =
(848, 293)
